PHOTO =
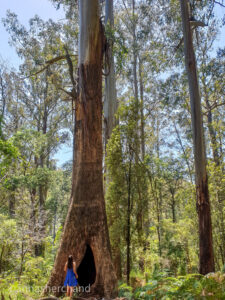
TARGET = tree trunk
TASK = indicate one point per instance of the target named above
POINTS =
(39, 248)
(184, 152)
(3, 100)
(128, 225)
(1, 256)
(142, 110)
(54, 225)
(158, 191)
(32, 221)
(12, 201)
(134, 46)
(173, 206)
(203, 204)
(158, 226)
(117, 259)
(212, 132)
(137, 134)
(110, 103)
(40, 245)
(85, 233)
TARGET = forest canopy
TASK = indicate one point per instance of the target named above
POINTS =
(135, 89)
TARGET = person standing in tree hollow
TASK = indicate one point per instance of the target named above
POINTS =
(71, 275)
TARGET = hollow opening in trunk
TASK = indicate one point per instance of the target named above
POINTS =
(86, 270)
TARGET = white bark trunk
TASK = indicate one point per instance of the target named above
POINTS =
(88, 24)
(110, 103)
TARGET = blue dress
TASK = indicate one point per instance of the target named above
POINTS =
(70, 279)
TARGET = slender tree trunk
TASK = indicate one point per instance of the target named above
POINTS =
(158, 191)
(117, 262)
(212, 132)
(203, 204)
(184, 152)
(188, 260)
(1, 256)
(142, 111)
(155, 197)
(139, 215)
(110, 103)
(173, 206)
(135, 79)
(110, 108)
(3, 100)
(12, 201)
(128, 220)
(23, 252)
(54, 225)
(40, 245)
(158, 226)
(32, 223)
(85, 234)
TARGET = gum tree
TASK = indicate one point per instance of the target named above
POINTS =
(206, 256)
(85, 233)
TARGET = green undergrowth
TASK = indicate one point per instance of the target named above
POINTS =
(190, 287)
(155, 286)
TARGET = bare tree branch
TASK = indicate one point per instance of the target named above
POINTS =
(65, 91)
(48, 63)
(70, 64)
(221, 4)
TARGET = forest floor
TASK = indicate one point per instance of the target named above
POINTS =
(79, 298)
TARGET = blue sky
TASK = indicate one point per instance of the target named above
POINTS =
(219, 12)
(25, 9)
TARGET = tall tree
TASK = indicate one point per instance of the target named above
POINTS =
(206, 255)
(39, 101)
(85, 233)
(110, 103)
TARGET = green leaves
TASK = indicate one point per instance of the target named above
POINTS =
(9, 242)
(7, 150)
(125, 291)
(9, 154)
(192, 286)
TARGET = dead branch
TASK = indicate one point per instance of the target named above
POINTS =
(48, 63)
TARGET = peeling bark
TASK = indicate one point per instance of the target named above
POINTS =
(85, 228)
(110, 103)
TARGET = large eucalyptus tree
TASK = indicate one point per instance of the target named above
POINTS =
(206, 255)
(85, 233)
